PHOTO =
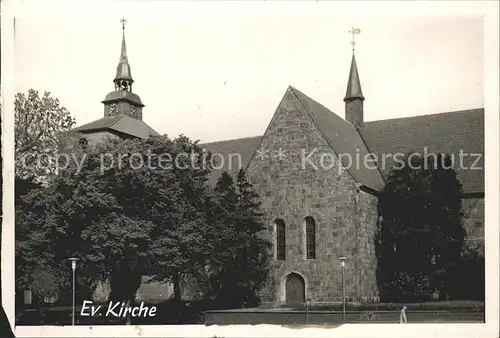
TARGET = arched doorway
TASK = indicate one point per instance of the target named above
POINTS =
(294, 289)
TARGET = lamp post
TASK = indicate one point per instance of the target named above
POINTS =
(342, 264)
(73, 267)
(308, 302)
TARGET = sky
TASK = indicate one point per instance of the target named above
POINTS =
(218, 71)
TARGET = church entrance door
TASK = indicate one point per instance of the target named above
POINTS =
(295, 289)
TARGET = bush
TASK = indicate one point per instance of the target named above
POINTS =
(469, 278)
(45, 283)
(407, 287)
(454, 306)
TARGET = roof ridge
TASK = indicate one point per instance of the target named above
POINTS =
(357, 176)
(117, 118)
(140, 120)
(118, 123)
(319, 103)
(232, 139)
(320, 129)
(110, 118)
(463, 111)
(267, 127)
(370, 152)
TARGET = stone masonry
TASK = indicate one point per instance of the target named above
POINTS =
(473, 221)
(97, 137)
(292, 189)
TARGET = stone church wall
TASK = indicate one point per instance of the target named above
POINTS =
(291, 191)
(367, 259)
(94, 138)
(473, 220)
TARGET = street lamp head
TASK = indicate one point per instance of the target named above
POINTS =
(308, 302)
(342, 260)
(73, 262)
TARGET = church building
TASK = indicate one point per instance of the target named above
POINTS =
(319, 200)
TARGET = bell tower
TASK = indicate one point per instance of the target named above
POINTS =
(122, 101)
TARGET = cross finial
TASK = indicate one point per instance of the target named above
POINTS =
(123, 22)
(354, 31)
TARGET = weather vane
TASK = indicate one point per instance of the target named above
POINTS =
(354, 31)
(123, 22)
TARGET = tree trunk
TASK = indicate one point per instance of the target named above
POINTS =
(129, 315)
(177, 286)
(124, 291)
(124, 284)
(39, 309)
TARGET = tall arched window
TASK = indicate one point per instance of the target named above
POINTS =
(310, 238)
(280, 240)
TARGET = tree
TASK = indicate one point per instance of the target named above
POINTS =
(44, 284)
(29, 231)
(449, 233)
(180, 210)
(39, 126)
(469, 277)
(37, 266)
(421, 235)
(124, 214)
(240, 263)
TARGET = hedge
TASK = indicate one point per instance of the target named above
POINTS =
(427, 306)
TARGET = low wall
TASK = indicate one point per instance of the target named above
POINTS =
(232, 317)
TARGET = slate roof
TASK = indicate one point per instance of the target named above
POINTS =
(123, 95)
(353, 85)
(443, 133)
(121, 124)
(243, 146)
(440, 133)
(123, 71)
(343, 137)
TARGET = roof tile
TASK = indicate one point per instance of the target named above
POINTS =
(439, 133)
(120, 123)
(447, 133)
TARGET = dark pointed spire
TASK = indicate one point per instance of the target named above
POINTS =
(354, 96)
(353, 84)
(123, 78)
(123, 56)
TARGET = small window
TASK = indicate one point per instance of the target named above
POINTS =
(478, 224)
(280, 240)
(310, 238)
